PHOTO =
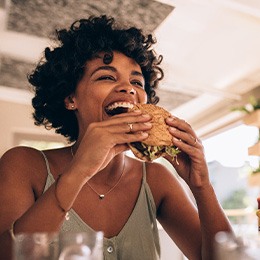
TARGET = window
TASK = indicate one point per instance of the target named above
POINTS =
(23, 137)
(230, 166)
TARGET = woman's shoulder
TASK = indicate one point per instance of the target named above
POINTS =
(160, 171)
(20, 154)
(19, 160)
(23, 166)
(162, 180)
(156, 172)
(33, 158)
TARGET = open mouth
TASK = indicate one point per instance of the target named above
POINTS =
(118, 108)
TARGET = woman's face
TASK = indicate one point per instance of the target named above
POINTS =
(108, 89)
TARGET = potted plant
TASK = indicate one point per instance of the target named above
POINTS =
(254, 177)
(252, 110)
(252, 117)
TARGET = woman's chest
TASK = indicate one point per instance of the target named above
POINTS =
(109, 214)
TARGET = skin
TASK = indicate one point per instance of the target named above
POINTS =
(99, 159)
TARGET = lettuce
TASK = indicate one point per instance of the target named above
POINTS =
(153, 151)
(172, 150)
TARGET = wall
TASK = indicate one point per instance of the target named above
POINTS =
(16, 121)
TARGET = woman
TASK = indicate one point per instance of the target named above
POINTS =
(81, 88)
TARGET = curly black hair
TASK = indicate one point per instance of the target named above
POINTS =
(62, 67)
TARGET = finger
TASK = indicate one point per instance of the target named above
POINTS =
(188, 135)
(127, 118)
(180, 124)
(136, 127)
(195, 141)
(184, 136)
(130, 127)
(134, 113)
(128, 138)
(123, 128)
(193, 152)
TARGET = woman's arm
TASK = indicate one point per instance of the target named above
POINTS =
(192, 227)
(175, 210)
(212, 218)
(21, 171)
(23, 168)
(191, 166)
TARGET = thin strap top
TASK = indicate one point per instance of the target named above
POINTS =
(137, 240)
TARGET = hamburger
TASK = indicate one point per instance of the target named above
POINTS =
(159, 142)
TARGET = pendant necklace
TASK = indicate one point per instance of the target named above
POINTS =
(102, 195)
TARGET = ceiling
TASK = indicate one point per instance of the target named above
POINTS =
(211, 49)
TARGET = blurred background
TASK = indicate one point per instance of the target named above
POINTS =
(211, 60)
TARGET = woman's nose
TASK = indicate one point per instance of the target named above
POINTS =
(127, 89)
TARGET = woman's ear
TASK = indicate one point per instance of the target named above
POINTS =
(69, 102)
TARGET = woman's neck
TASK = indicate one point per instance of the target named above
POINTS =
(112, 172)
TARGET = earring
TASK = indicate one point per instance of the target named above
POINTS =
(72, 106)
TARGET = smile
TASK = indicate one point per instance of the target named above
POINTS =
(118, 108)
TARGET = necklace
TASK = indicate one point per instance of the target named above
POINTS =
(102, 195)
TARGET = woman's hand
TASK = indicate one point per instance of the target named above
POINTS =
(102, 141)
(190, 162)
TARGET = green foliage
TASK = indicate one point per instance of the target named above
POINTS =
(257, 170)
(237, 200)
(253, 105)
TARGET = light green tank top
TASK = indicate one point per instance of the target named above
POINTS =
(138, 239)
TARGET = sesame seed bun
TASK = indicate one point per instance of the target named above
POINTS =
(159, 141)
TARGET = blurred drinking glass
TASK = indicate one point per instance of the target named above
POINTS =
(228, 246)
(82, 245)
(35, 246)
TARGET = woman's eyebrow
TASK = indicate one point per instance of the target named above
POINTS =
(137, 73)
(110, 68)
(113, 69)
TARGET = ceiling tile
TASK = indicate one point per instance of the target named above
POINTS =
(40, 17)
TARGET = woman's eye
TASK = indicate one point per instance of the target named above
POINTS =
(138, 83)
(106, 77)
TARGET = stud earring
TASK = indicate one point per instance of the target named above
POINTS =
(72, 106)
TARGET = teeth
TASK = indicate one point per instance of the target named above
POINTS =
(120, 104)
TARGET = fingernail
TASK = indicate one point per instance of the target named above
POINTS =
(172, 129)
(144, 134)
(171, 118)
(146, 115)
(148, 124)
(137, 111)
